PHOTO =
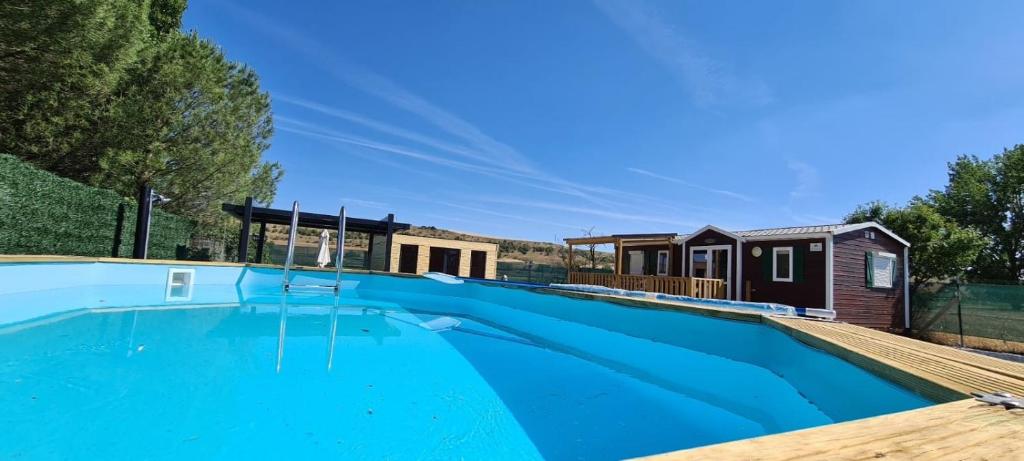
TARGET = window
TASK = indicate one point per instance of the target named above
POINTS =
(782, 264)
(881, 269)
(663, 262)
(699, 263)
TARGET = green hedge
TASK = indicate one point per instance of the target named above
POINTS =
(41, 213)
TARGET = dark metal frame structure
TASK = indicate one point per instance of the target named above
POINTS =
(250, 214)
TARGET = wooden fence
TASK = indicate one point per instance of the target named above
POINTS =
(685, 286)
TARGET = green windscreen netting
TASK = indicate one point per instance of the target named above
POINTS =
(980, 310)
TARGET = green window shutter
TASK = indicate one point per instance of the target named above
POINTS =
(766, 264)
(869, 264)
(799, 255)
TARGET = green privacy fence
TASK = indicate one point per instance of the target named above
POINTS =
(41, 213)
(536, 273)
(981, 315)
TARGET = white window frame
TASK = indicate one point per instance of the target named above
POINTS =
(892, 269)
(658, 263)
(775, 260)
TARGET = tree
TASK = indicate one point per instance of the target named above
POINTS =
(939, 248)
(60, 62)
(591, 248)
(988, 196)
(111, 93)
(192, 124)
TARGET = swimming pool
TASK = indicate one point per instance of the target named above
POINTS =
(95, 362)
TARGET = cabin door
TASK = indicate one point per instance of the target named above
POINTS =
(636, 263)
(712, 262)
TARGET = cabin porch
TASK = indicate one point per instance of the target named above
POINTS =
(643, 262)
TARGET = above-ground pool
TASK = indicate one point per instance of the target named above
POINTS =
(96, 363)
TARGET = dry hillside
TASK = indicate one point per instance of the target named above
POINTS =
(508, 249)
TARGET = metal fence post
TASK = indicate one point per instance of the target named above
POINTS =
(959, 312)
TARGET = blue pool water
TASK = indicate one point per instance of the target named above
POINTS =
(94, 363)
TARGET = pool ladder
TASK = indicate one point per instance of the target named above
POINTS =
(339, 258)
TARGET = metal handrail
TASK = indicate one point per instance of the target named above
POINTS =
(291, 243)
(340, 259)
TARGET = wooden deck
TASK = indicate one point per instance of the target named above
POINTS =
(961, 429)
(952, 431)
(683, 286)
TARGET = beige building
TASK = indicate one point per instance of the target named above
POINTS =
(417, 255)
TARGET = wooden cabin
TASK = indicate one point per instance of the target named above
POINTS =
(417, 255)
(859, 271)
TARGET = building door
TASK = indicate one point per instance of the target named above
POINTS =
(444, 260)
(712, 262)
(478, 264)
(408, 256)
(636, 263)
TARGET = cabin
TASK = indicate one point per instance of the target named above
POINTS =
(857, 271)
(410, 254)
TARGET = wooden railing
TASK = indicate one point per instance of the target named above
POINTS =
(685, 286)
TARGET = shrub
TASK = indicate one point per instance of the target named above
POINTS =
(41, 213)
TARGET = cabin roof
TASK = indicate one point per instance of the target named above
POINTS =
(755, 234)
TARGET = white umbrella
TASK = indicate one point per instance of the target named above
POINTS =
(323, 257)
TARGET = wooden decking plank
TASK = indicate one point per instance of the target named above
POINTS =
(1011, 369)
(959, 430)
(938, 365)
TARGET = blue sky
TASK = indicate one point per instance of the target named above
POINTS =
(537, 119)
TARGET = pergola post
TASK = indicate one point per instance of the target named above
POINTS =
(243, 237)
(387, 242)
(668, 263)
(618, 256)
(142, 220)
(260, 241)
(568, 263)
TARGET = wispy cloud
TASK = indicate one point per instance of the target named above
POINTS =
(807, 180)
(364, 203)
(471, 149)
(616, 215)
(384, 127)
(387, 90)
(326, 134)
(727, 193)
(810, 219)
(707, 81)
(501, 214)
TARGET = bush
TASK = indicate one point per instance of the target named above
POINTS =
(41, 213)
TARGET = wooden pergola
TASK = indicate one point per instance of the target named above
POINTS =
(619, 240)
(249, 214)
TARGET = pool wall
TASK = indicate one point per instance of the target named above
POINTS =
(575, 325)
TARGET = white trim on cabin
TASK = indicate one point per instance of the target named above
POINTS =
(740, 285)
(856, 227)
(906, 288)
(657, 263)
(775, 259)
(829, 282)
(684, 239)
